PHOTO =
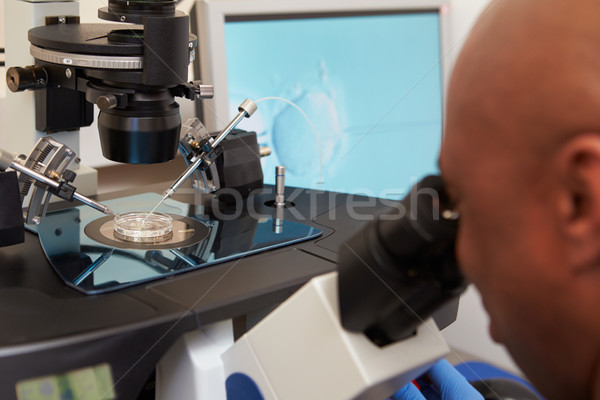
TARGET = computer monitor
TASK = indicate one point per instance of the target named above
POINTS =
(369, 74)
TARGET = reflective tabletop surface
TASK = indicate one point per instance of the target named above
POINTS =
(80, 245)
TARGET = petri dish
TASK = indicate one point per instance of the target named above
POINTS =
(143, 227)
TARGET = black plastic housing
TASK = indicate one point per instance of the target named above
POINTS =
(239, 166)
(59, 107)
(12, 228)
(397, 271)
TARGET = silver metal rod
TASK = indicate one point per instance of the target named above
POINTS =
(35, 175)
(228, 128)
(182, 178)
(278, 220)
(280, 186)
(55, 185)
(92, 203)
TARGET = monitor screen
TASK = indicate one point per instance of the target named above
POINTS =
(370, 85)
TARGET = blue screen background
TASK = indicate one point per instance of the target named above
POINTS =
(371, 85)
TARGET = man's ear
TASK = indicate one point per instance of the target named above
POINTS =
(579, 170)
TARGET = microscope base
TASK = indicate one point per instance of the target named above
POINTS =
(301, 351)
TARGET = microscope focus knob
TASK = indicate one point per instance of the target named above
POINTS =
(32, 77)
(106, 102)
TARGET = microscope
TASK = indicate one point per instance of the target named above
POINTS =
(132, 71)
(367, 328)
(126, 311)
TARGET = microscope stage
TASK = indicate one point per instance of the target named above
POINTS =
(87, 255)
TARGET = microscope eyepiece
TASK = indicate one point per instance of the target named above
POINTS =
(396, 272)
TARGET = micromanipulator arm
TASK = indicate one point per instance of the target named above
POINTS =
(209, 146)
(52, 174)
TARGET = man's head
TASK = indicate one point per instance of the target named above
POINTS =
(521, 159)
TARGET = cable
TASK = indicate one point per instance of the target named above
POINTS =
(321, 177)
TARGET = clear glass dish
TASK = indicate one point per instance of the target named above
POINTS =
(142, 227)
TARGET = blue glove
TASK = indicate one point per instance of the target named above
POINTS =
(446, 384)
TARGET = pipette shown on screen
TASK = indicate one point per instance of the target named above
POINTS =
(209, 150)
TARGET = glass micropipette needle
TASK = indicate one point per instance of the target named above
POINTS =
(246, 109)
(154, 209)
(176, 185)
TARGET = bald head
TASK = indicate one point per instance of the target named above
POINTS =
(531, 68)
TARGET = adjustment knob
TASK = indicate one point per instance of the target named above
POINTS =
(32, 77)
(204, 91)
(106, 102)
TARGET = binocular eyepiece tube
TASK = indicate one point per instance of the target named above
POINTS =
(401, 267)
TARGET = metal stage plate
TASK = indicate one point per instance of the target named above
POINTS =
(80, 245)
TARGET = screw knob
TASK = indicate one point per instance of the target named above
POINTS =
(106, 102)
(32, 77)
